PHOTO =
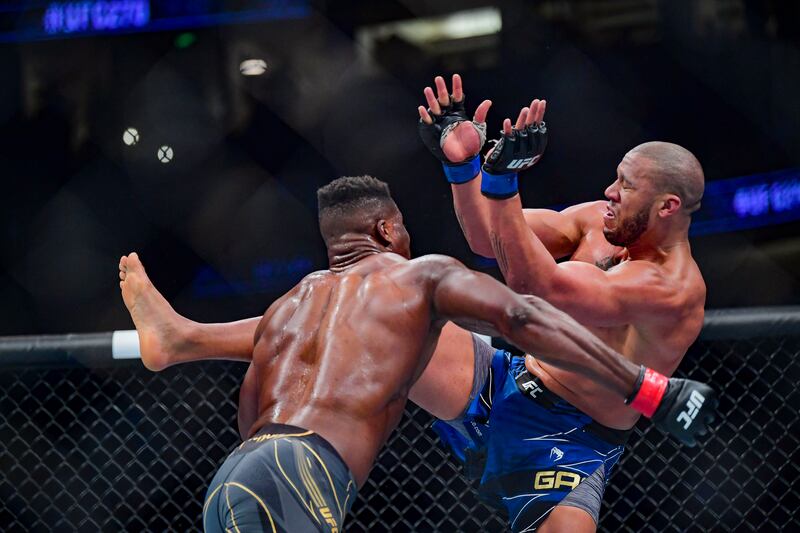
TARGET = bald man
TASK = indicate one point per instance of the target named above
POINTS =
(631, 280)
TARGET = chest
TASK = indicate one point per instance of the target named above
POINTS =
(595, 249)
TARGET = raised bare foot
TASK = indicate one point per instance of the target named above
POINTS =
(157, 323)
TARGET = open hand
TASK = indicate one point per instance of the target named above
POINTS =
(464, 138)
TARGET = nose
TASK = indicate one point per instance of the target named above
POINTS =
(612, 192)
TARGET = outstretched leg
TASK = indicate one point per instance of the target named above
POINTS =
(167, 338)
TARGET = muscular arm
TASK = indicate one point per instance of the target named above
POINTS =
(635, 289)
(480, 303)
(559, 231)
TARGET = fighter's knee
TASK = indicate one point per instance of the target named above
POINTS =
(566, 519)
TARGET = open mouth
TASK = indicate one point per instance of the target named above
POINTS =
(608, 216)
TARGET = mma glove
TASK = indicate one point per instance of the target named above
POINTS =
(434, 135)
(515, 152)
(681, 407)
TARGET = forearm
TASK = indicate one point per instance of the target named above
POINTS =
(473, 215)
(526, 264)
(557, 339)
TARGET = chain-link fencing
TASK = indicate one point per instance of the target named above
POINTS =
(118, 448)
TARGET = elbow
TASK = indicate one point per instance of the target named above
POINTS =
(481, 249)
(517, 283)
(524, 283)
(520, 316)
(478, 246)
(533, 316)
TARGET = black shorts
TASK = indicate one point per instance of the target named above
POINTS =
(284, 478)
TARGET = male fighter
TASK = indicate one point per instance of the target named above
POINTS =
(631, 280)
(334, 359)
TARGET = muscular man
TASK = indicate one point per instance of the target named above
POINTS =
(631, 280)
(335, 357)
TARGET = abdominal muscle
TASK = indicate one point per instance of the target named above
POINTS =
(601, 404)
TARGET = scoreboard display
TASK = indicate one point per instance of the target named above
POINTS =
(36, 20)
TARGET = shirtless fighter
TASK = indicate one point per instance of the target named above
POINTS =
(630, 279)
(334, 358)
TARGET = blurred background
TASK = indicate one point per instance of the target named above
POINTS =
(196, 133)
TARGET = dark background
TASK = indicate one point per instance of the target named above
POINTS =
(230, 223)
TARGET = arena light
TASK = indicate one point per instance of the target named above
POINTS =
(165, 154)
(424, 32)
(131, 136)
(253, 67)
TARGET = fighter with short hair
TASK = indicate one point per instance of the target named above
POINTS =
(631, 280)
(333, 361)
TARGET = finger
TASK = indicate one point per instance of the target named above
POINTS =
(540, 111)
(507, 126)
(433, 105)
(534, 109)
(482, 111)
(458, 89)
(424, 116)
(523, 116)
(441, 91)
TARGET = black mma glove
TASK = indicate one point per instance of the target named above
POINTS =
(434, 135)
(681, 407)
(517, 151)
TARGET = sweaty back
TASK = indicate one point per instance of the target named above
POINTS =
(338, 354)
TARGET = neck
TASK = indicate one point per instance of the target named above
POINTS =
(657, 246)
(349, 249)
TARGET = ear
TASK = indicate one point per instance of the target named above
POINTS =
(383, 232)
(670, 204)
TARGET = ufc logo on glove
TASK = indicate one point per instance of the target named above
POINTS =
(693, 407)
(521, 163)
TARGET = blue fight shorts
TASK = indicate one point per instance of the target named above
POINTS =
(530, 448)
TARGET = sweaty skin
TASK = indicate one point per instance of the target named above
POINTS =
(645, 299)
(641, 293)
(648, 306)
(339, 352)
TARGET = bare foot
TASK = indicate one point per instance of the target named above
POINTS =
(157, 323)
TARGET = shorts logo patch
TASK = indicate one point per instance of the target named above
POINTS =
(550, 479)
(329, 519)
(531, 388)
(556, 454)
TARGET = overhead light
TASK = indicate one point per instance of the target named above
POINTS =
(165, 154)
(426, 31)
(253, 67)
(130, 136)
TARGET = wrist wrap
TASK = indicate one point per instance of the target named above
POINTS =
(648, 392)
(499, 186)
(462, 172)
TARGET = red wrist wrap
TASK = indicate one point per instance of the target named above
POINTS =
(650, 393)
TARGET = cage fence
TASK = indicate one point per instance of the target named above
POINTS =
(95, 445)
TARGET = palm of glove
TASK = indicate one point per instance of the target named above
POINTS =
(463, 143)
